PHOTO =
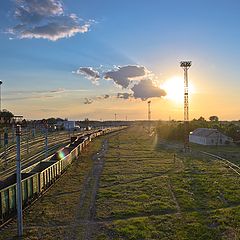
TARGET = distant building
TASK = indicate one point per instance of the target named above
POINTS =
(209, 136)
(69, 125)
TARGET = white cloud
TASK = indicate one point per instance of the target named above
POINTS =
(125, 95)
(146, 89)
(88, 101)
(106, 96)
(123, 75)
(89, 73)
(138, 80)
(46, 19)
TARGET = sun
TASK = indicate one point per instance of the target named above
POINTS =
(174, 88)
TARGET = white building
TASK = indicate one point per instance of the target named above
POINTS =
(69, 125)
(208, 136)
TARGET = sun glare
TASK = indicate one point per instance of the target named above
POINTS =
(61, 154)
(174, 88)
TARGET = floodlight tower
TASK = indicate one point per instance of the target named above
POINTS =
(149, 115)
(186, 65)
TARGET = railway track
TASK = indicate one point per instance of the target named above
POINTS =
(32, 141)
(31, 160)
(36, 146)
(31, 148)
(226, 162)
(38, 155)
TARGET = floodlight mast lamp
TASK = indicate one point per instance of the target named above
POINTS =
(186, 65)
(149, 111)
(149, 116)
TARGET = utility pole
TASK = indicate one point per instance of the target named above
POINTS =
(115, 119)
(13, 133)
(19, 179)
(186, 65)
(46, 140)
(5, 143)
(149, 116)
(1, 105)
(27, 136)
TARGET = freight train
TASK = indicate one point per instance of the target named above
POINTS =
(37, 178)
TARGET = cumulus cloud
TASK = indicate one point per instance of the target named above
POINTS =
(146, 89)
(89, 73)
(46, 19)
(137, 80)
(106, 96)
(123, 75)
(29, 11)
(88, 101)
(124, 95)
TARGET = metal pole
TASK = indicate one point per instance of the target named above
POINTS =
(0, 96)
(27, 135)
(0, 105)
(149, 116)
(46, 141)
(18, 173)
(5, 143)
(13, 131)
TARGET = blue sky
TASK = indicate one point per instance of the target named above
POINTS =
(155, 34)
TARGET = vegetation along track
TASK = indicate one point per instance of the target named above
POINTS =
(226, 162)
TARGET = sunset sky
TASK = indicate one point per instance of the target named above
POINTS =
(92, 58)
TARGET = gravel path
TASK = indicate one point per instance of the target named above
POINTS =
(86, 213)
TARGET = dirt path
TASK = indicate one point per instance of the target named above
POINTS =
(86, 212)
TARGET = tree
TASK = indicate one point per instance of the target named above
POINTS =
(213, 118)
(6, 116)
(201, 119)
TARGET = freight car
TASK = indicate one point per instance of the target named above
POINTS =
(38, 177)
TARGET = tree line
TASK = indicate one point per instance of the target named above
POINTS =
(174, 130)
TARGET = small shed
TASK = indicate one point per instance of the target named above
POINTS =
(209, 136)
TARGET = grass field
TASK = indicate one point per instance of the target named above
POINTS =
(146, 191)
(145, 194)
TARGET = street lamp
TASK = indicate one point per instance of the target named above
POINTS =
(19, 180)
(0, 96)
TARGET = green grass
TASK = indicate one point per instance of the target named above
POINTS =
(145, 194)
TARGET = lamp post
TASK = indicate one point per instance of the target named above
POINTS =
(0, 96)
(18, 173)
(46, 140)
(0, 107)
(149, 116)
